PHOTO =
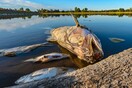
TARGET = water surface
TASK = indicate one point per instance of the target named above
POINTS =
(36, 29)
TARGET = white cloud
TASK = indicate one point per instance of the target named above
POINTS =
(20, 3)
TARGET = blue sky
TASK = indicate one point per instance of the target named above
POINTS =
(66, 4)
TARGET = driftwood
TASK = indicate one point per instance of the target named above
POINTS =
(112, 72)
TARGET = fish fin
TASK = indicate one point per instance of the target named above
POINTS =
(51, 39)
(46, 44)
(75, 20)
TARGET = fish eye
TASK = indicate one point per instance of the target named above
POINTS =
(45, 56)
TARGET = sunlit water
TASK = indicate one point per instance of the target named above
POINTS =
(24, 31)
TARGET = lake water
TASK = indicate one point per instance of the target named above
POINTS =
(32, 30)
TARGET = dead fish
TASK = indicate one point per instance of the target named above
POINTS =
(116, 40)
(48, 57)
(43, 74)
(86, 20)
(21, 49)
(79, 40)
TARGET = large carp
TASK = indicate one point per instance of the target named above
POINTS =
(79, 40)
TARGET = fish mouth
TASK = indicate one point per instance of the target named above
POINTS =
(90, 50)
(93, 51)
(97, 51)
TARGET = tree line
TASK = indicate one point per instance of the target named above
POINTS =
(15, 12)
(76, 9)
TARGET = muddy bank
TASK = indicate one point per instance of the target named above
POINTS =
(114, 71)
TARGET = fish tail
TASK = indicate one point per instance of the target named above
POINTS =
(75, 20)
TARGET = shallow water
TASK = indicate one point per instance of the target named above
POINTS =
(27, 31)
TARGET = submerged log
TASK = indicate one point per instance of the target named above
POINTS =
(112, 72)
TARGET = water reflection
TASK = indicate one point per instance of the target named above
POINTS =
(74, 59)
(16, 16)
(58, 15)
(25, 30)
(84, 15)
(78, 62)
(16, 23)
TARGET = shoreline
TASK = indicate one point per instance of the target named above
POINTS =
(66, 13)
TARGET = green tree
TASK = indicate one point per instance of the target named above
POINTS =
(77, 9)
(28, 10)
(56, 10)
(130, 10)
(21, 9)
(121, 9)
(85, 10)
(51, 10)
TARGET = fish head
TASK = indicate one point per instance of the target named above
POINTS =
(93, 50)
(86, 45)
